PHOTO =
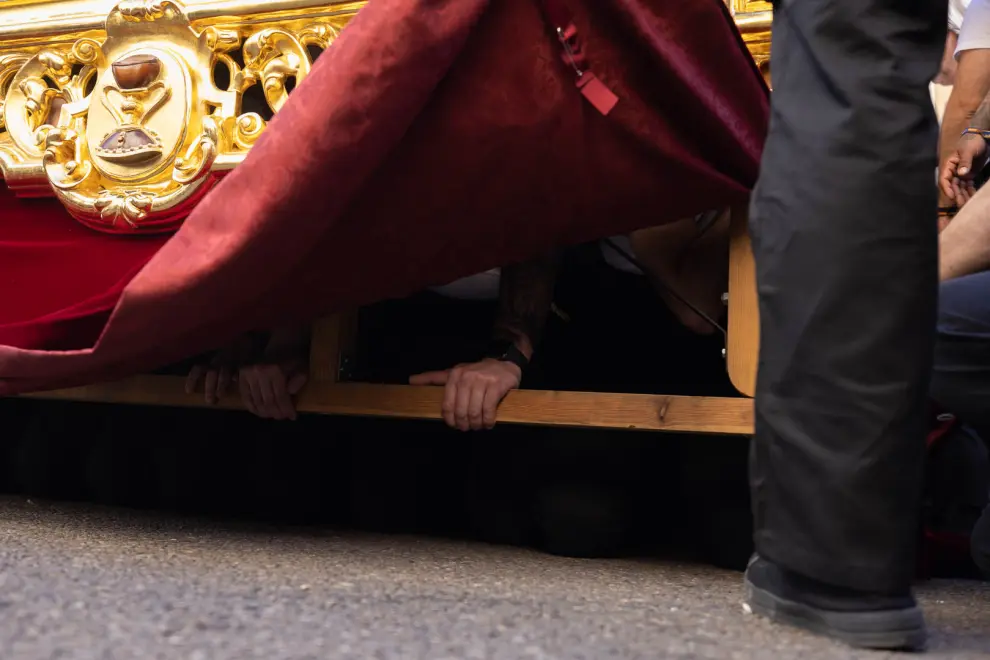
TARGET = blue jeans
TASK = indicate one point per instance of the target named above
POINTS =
(961, 376)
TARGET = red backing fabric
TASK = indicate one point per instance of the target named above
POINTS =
(59, 280)
(435, 139)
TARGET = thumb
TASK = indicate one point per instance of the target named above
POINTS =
(430, 378)
(296, 383)
(965, 165)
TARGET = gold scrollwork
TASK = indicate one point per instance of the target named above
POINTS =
(65, 158)
(247, 129)
(220, 40)
(319, 34)
(271, 57)
(130, 125)
(54, 85)
(146, 10)
(199, 158)
(87, 51)
(10, 64)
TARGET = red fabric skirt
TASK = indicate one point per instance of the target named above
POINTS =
(433, 140)
(60, 281)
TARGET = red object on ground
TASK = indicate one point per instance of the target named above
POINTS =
(431, 141)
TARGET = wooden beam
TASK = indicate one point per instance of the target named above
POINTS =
(742, 349)
(332, 339)
(641, 412)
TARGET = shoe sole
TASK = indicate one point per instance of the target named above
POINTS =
(902, 629)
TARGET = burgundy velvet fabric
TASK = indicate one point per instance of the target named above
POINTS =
(435, 139)
(59, 280)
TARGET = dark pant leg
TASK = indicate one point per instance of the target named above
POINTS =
(843, 222)
(961, 377)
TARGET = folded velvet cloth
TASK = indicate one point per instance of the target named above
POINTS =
(435, 139)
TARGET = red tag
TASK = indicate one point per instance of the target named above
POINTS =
(597, 93)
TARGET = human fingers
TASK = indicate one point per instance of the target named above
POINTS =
(476, 405)
(962, 189)
(947, 174)
(193, 379)
(970, 149)
(225, 379)
(493, 397)
(266, 389)
(957, 192)
(212, 378)
(256, 387)
(462, 405)
(283, 407)
(247, 395)
(430, 378)
(449, 405)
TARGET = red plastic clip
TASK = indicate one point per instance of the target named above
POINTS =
(592, 88)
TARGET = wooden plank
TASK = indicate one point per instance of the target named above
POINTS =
(332, 338)
(642, 412)
(743, 341)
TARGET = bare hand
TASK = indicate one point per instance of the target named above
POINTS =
(473, 391)
(219, 372)
(961, 168)
(267, 388)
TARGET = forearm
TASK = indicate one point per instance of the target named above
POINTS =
(947, 71)
(966, 104)
(525, 299)
(980, 118)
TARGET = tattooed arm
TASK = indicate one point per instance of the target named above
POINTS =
(473, 392)
(525, 299)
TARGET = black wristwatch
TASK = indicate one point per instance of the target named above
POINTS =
(505, 350)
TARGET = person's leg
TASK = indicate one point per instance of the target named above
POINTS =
(843, 223)
(961, 376)
(964, 244)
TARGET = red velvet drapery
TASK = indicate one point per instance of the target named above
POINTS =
(58, 280)
(432, 140)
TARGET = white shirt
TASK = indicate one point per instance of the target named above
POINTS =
(975, 30)
(957, 9)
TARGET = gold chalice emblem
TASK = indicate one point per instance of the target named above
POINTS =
(136, 96)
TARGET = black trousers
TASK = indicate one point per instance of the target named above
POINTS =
(843, 225)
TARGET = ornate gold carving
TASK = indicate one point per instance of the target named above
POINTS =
(200, 156)
(130, 116)
(271, 57)
(248, 129)
(10, 64)
(130, 128)
(132, 208)
(138, 94)
(65, 160)
(146, 10)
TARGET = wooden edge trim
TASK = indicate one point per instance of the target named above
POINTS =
(330, 337)
(743, 338)
(603, 410)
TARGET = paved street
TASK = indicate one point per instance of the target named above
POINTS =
(83, 582)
